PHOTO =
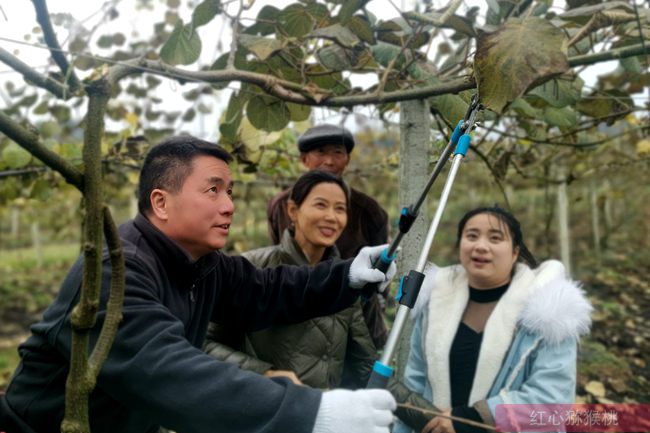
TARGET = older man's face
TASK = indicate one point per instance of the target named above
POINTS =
(332, 158)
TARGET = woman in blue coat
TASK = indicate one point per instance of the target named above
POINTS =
(495, 329)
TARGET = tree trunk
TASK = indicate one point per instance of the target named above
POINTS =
(595, 217)
(37, 244)
(413, 176)
(563, 222)
(15, 224)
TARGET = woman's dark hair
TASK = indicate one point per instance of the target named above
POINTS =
(169, 163)
(309, 180)
(510, 221)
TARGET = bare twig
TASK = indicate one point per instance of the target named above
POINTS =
(235, 33)
(451, 417)
(439, 21)
(571, 144)
(55, 87)
(493, 172)
(43, 18)
(601, 20)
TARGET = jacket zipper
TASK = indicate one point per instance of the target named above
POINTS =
(192, 297)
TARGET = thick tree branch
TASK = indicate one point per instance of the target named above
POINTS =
(286, 90)
(620, 53)
(296, 92)
(81, 380)
(31, 75)
(30, 141)
(43, 18)
(115, 298)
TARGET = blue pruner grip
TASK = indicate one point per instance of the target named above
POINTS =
(380, 375)
(463, 145)
(382, 263)
(458, 131)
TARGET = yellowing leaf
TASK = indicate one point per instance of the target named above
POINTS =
(595, 388)
(262, 47)
(643, 146)
(519, 55)
(254, 138)
(132, 120)
(15, 156)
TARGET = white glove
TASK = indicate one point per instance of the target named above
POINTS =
(362, 411)
(362, 273)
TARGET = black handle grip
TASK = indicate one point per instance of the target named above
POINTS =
(382, 263)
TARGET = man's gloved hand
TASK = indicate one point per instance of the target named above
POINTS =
(362, 411)
(362, 272)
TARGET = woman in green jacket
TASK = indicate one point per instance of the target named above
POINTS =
(315, 352)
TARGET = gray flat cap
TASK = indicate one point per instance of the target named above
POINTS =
(322, 135)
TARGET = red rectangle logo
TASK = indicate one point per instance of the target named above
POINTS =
(604, 418)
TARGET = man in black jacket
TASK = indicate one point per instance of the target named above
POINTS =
(156, 374)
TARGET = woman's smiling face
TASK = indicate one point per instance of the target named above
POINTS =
(487, 252)
(321, 217)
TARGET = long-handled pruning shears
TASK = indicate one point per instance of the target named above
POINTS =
(410, 285)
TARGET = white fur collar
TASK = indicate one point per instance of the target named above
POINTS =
(542, 300)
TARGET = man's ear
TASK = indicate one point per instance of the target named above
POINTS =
(303, 158)
(159, 203)
(292, 210)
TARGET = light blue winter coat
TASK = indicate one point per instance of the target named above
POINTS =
(528, 351)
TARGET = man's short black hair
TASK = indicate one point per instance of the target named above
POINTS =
(169, 163)
(322, 135)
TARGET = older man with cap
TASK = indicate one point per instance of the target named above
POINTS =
(328, 147)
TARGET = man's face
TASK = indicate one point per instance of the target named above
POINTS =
(332, 158)
(198, 216)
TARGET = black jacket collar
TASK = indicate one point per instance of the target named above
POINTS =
(174, 258)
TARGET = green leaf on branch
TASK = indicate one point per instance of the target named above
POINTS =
(524, 109)
(361, 27)
(232, 117)
(610, 103)
(205, 12)
(15, 156)
(558, 93)
(267, 113)
(348, 9)
(265, 24)
(296, 21)
(183, 46)
(384, 53)
(298, 112)
(262, 47)
(560, 117)
(334, 57)
(398, 32)
(341, 35)
(41, 190)
(520, 55)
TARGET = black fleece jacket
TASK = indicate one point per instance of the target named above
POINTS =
(156, 374)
